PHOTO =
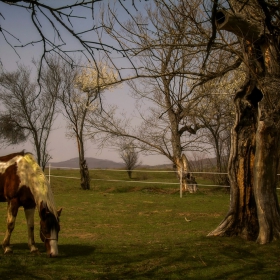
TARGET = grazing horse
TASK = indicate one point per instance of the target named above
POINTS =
(23, 183)
(183, 173)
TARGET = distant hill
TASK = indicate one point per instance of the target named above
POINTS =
(91, 162)
(109, 164)
(102, 164)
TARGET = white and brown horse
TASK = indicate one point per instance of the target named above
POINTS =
(23, 183)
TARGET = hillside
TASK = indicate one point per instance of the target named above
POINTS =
(92, 163)
(109, 164)
(101, 163)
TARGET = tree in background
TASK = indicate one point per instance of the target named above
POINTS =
(168, 57)
(82, 88)
(166, 121)
(130, 156)
(29, 111)
(216, 112)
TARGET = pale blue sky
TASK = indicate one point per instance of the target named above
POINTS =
(18, 22)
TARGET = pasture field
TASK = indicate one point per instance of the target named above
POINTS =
(121, 230)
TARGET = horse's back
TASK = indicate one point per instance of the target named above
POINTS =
(22, 179)
(9, 179)
(11, 156)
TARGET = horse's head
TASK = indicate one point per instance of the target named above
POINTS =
(49, 229)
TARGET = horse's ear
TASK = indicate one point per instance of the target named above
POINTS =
(59, 212)
(43, 213)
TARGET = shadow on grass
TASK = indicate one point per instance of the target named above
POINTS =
(219, 260)
(198, 258)
(75, 250)
(25, 265)
(65, 250)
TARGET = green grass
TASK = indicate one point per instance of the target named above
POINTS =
(131, 231)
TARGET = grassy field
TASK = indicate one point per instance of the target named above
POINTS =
(122, 230)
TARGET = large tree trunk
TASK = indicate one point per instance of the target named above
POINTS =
(266, 163)
(254, 210)
(242, 217)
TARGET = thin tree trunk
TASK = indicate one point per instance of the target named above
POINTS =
(84, 173)
(129, 172)
(85, 179)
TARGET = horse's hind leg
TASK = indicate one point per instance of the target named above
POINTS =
(11, 218)
(29, 214)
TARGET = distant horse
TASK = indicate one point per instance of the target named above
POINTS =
(23, 183)
(183, 173)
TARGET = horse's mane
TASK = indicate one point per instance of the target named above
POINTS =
(31, 175)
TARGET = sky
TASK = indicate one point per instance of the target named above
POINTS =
(18, 23)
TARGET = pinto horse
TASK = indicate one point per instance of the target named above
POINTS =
(23, 183)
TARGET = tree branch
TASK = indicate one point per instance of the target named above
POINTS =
(238, 25)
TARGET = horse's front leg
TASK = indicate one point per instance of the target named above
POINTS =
(29, 215)
(12, 211)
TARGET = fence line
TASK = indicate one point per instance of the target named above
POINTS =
(135, 170)
(141, 182)
(105, 169)
(111, 180)
(141, 170)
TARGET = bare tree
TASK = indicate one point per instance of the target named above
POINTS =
(168, 58)
(11, 134)
(75, 106)
(60, 28)
(82, 88)
(28, 114)
(216, 112)
(130, 156)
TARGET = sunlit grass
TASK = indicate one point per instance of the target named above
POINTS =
(131, 231)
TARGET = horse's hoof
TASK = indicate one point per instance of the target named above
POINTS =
(8, 251)
(34, 250)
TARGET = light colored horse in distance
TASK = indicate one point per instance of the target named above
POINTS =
(183, 172)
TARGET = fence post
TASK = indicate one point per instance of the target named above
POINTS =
(49, 173)
(181, 182)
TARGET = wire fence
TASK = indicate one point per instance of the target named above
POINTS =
(179, 183)
(136, 170)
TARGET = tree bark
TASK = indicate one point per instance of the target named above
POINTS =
(85, 179)
(266, 165)
(242, 217)
(239, 25)
(254, 210)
